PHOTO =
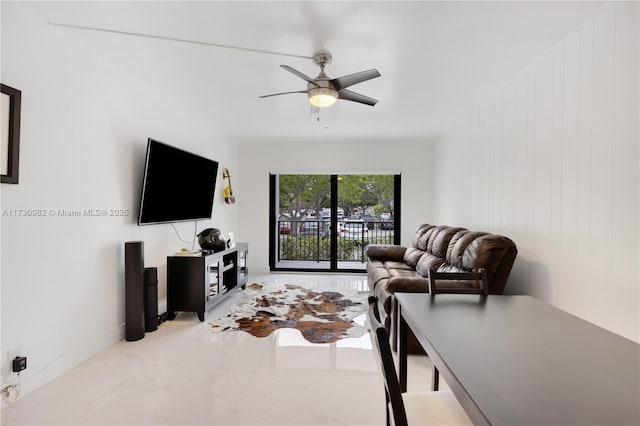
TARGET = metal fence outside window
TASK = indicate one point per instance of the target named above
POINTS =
(310, 240)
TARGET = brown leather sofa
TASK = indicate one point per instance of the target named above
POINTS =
(443, 248)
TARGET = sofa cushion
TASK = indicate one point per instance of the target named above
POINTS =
(439, 240)
(408, 284)
(428, 261)
(421, 235)
(376, 271)
(398, 268)
(459, 244)
(412, 255)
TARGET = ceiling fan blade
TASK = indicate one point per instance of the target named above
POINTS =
(348, 95)
(299, 74)
(283, 93)
(351, 79)
(182, 40)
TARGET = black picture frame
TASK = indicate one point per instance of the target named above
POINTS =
(10, 142)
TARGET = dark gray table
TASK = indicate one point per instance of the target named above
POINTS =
(514, 360)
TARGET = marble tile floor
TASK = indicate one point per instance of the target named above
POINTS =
(184, 374)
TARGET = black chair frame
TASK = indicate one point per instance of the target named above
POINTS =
(483, 289)
(480, 276)
(393, 394)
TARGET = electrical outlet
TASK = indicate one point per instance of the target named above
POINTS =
(19, 364)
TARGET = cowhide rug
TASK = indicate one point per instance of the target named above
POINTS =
(322, 316)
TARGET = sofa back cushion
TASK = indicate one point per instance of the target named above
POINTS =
(421, 236)
(412, 255)
(459, 244)
(419, 245)
(437, 240)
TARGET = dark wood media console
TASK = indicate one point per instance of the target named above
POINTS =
(198, 283)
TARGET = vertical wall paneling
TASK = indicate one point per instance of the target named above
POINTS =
(520, 178)
(625, 151)
(530, 148)
(601, 172)
(584, 143)
(558, 147)
(557, 141)
(496, 171)
(507, 146)
(570, 158)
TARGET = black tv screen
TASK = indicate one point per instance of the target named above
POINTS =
(177, 185)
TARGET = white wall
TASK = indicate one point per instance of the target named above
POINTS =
(551, 160)
(85, 123)
(332, 156)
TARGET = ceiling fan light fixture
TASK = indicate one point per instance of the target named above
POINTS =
(322, 97)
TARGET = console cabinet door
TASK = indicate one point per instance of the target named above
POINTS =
(185, 285)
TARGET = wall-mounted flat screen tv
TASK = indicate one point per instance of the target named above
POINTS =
(177, 185)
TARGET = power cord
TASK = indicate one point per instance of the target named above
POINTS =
(11, 392)
(193, 240)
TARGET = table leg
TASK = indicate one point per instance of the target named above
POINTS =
(402, 351)
(435, 379)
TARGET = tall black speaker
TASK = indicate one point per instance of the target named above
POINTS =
(134, 290)
(150, 299)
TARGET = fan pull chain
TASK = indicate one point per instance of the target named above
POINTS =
(324, 112)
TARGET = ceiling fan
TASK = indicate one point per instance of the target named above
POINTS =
(324, 91)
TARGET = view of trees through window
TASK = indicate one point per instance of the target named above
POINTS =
(363, 204)
(364, 193)
(299, 193)
(311, 194)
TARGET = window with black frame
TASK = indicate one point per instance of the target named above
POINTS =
(324, 222)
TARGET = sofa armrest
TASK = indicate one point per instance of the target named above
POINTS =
(408, 285)
(385, 252)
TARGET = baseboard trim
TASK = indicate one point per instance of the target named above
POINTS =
(63, 363)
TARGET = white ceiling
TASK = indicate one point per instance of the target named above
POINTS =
(436, 58)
